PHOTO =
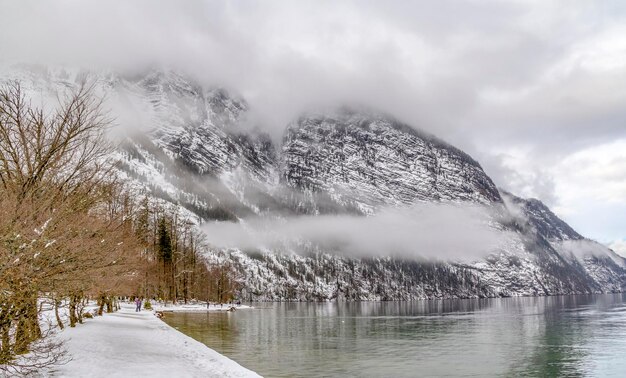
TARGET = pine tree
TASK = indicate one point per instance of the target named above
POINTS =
(165, 243)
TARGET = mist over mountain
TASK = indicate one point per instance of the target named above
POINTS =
(349, 203)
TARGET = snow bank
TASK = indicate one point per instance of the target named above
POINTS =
(198, 307)
(131, 344)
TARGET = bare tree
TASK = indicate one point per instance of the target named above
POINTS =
(69, 230)
(54, 187)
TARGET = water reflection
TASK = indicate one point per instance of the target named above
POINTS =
(553, 336)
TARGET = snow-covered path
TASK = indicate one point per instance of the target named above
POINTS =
(131, 344)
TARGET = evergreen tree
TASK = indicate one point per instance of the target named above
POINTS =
(165, 242)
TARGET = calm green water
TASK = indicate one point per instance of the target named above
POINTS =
(554, 336)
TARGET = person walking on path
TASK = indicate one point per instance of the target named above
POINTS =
(138, 303)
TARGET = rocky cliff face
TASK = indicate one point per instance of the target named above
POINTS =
(190, 150)
(602, 268)
(375, 160)
(198, 127)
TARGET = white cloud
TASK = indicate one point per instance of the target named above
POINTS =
(619, 246)
(426, 231)
(595, 173)
(591, 188)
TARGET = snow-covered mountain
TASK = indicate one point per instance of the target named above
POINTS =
(375, 160)
(188, 146)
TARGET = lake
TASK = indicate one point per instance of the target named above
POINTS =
(582, 335)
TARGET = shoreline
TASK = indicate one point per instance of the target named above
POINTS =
(334, 300)
(130, 344)
(196, 307)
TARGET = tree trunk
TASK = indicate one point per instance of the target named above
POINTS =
(101, 300)
(56, 313)
(73, 317)
(5, 326)
(27, 329)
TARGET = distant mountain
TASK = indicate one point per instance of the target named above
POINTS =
(190, 148)
(604, 267)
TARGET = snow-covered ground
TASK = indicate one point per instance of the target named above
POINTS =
(197, 307)
(131, 344)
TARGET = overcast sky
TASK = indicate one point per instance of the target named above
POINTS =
(535, 90)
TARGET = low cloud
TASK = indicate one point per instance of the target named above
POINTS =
(428, 231)
(582, 249)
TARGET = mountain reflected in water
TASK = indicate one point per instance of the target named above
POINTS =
(533, 336)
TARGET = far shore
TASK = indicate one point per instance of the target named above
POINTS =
(199, 307)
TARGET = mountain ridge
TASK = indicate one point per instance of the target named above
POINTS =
(192, 155)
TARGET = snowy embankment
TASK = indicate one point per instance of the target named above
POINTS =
(198, 307)
(136, 344)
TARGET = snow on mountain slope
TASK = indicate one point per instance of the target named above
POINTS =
(376, 160)
(539, 216)
(602, 265)
(198, 127)
(188, 149)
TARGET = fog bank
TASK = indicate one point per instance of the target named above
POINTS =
(428, 231)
